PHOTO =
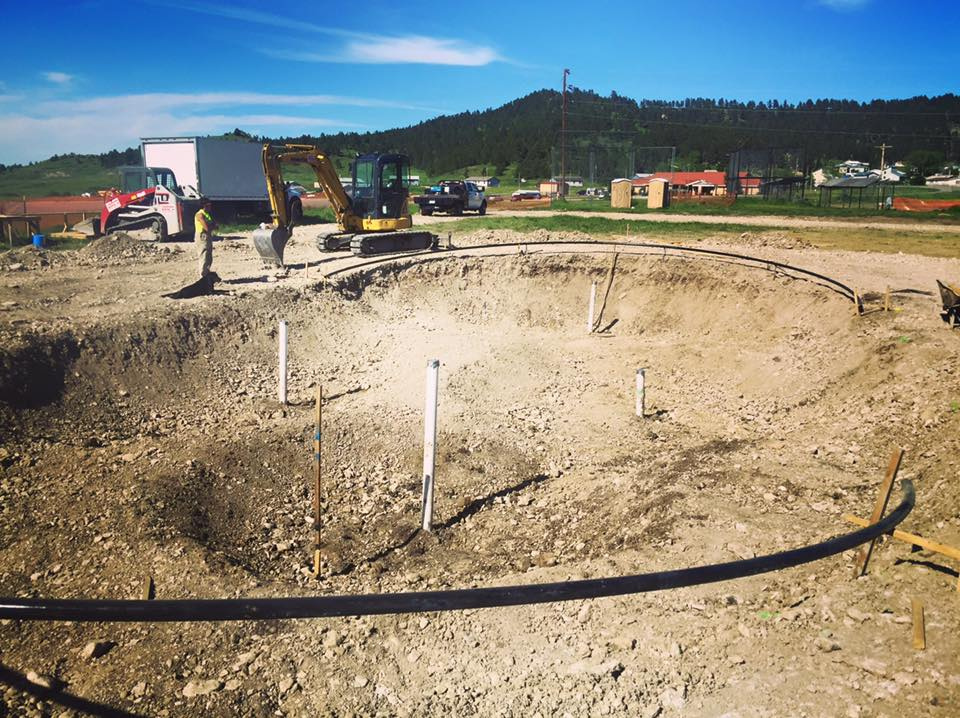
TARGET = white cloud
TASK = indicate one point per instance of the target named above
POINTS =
(413, 49)
(58, 78)
(157, 101)
(101, 123)
(360, 47)
(844, 5)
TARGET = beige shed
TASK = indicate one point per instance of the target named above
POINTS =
(658, 194)
(621, 193)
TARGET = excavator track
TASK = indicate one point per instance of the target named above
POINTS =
(335, 242)
(364, 245)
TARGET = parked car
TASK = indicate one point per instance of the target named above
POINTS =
(522, 194)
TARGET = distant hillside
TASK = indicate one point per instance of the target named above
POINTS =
(606, 136)
(603, 130)
(65, 174)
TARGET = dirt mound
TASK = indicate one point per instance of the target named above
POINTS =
(120, 248)
(509, 236)
(774, 240)
(26, 259)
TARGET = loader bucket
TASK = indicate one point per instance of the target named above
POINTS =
(269, 244)
(89, 227)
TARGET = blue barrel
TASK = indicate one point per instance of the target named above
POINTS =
(38, 240)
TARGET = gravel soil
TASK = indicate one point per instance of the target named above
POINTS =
(143, 444)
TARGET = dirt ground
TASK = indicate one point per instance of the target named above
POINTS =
(142, 439)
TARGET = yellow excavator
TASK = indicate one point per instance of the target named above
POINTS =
(371, 218)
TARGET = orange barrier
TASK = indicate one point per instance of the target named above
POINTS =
(54, 213)
(909, 204)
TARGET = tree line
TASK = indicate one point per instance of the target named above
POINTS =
(525, 134)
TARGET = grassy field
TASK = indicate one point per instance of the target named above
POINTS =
(63, 176)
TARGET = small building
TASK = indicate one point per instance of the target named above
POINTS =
(943, 180)
(484, 182)
(888, 174)
(658, 193)
(549, 188)
(621, 195)
(705, 183)
(852, 167)
(866, 188)
(572, 180)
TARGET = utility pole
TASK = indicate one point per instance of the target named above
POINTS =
(883, 153)
(563, 139)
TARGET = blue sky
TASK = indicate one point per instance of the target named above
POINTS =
(88, 76)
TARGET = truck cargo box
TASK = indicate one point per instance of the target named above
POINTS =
(223, 170)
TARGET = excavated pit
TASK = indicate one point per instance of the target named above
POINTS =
(177, 421)
(155, 445)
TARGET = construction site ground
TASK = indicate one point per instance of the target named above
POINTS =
(143, 440)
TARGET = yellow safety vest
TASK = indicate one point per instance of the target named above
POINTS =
(202, 222)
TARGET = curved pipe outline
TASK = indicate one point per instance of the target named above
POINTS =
(661, 249)
(43, 609)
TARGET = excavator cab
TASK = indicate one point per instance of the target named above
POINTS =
(380, 185)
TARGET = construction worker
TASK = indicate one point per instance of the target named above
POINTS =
(204, 225)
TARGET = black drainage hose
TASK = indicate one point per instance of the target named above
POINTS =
(42, 609)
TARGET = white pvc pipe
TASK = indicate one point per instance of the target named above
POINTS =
(641, 391)
(429, 442)
(282, 388)
(593, 304)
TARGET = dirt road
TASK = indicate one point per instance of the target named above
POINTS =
(895, 223)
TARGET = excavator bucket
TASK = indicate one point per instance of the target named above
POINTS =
(270, 243)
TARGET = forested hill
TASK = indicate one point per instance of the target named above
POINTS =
(525, 134)
(607, 136)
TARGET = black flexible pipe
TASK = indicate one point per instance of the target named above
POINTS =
(672, 248)
(44, 609)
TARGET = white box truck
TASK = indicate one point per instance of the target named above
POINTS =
(228, 172)
(164, 192)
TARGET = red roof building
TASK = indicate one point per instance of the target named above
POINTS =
(707, 182)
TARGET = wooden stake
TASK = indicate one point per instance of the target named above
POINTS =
(606, 293)
(879, 507)
(914, 540)
(886, 300)
(857, 303)
(148, 591)
(919, 629)
(317, 444)
(911, 539)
